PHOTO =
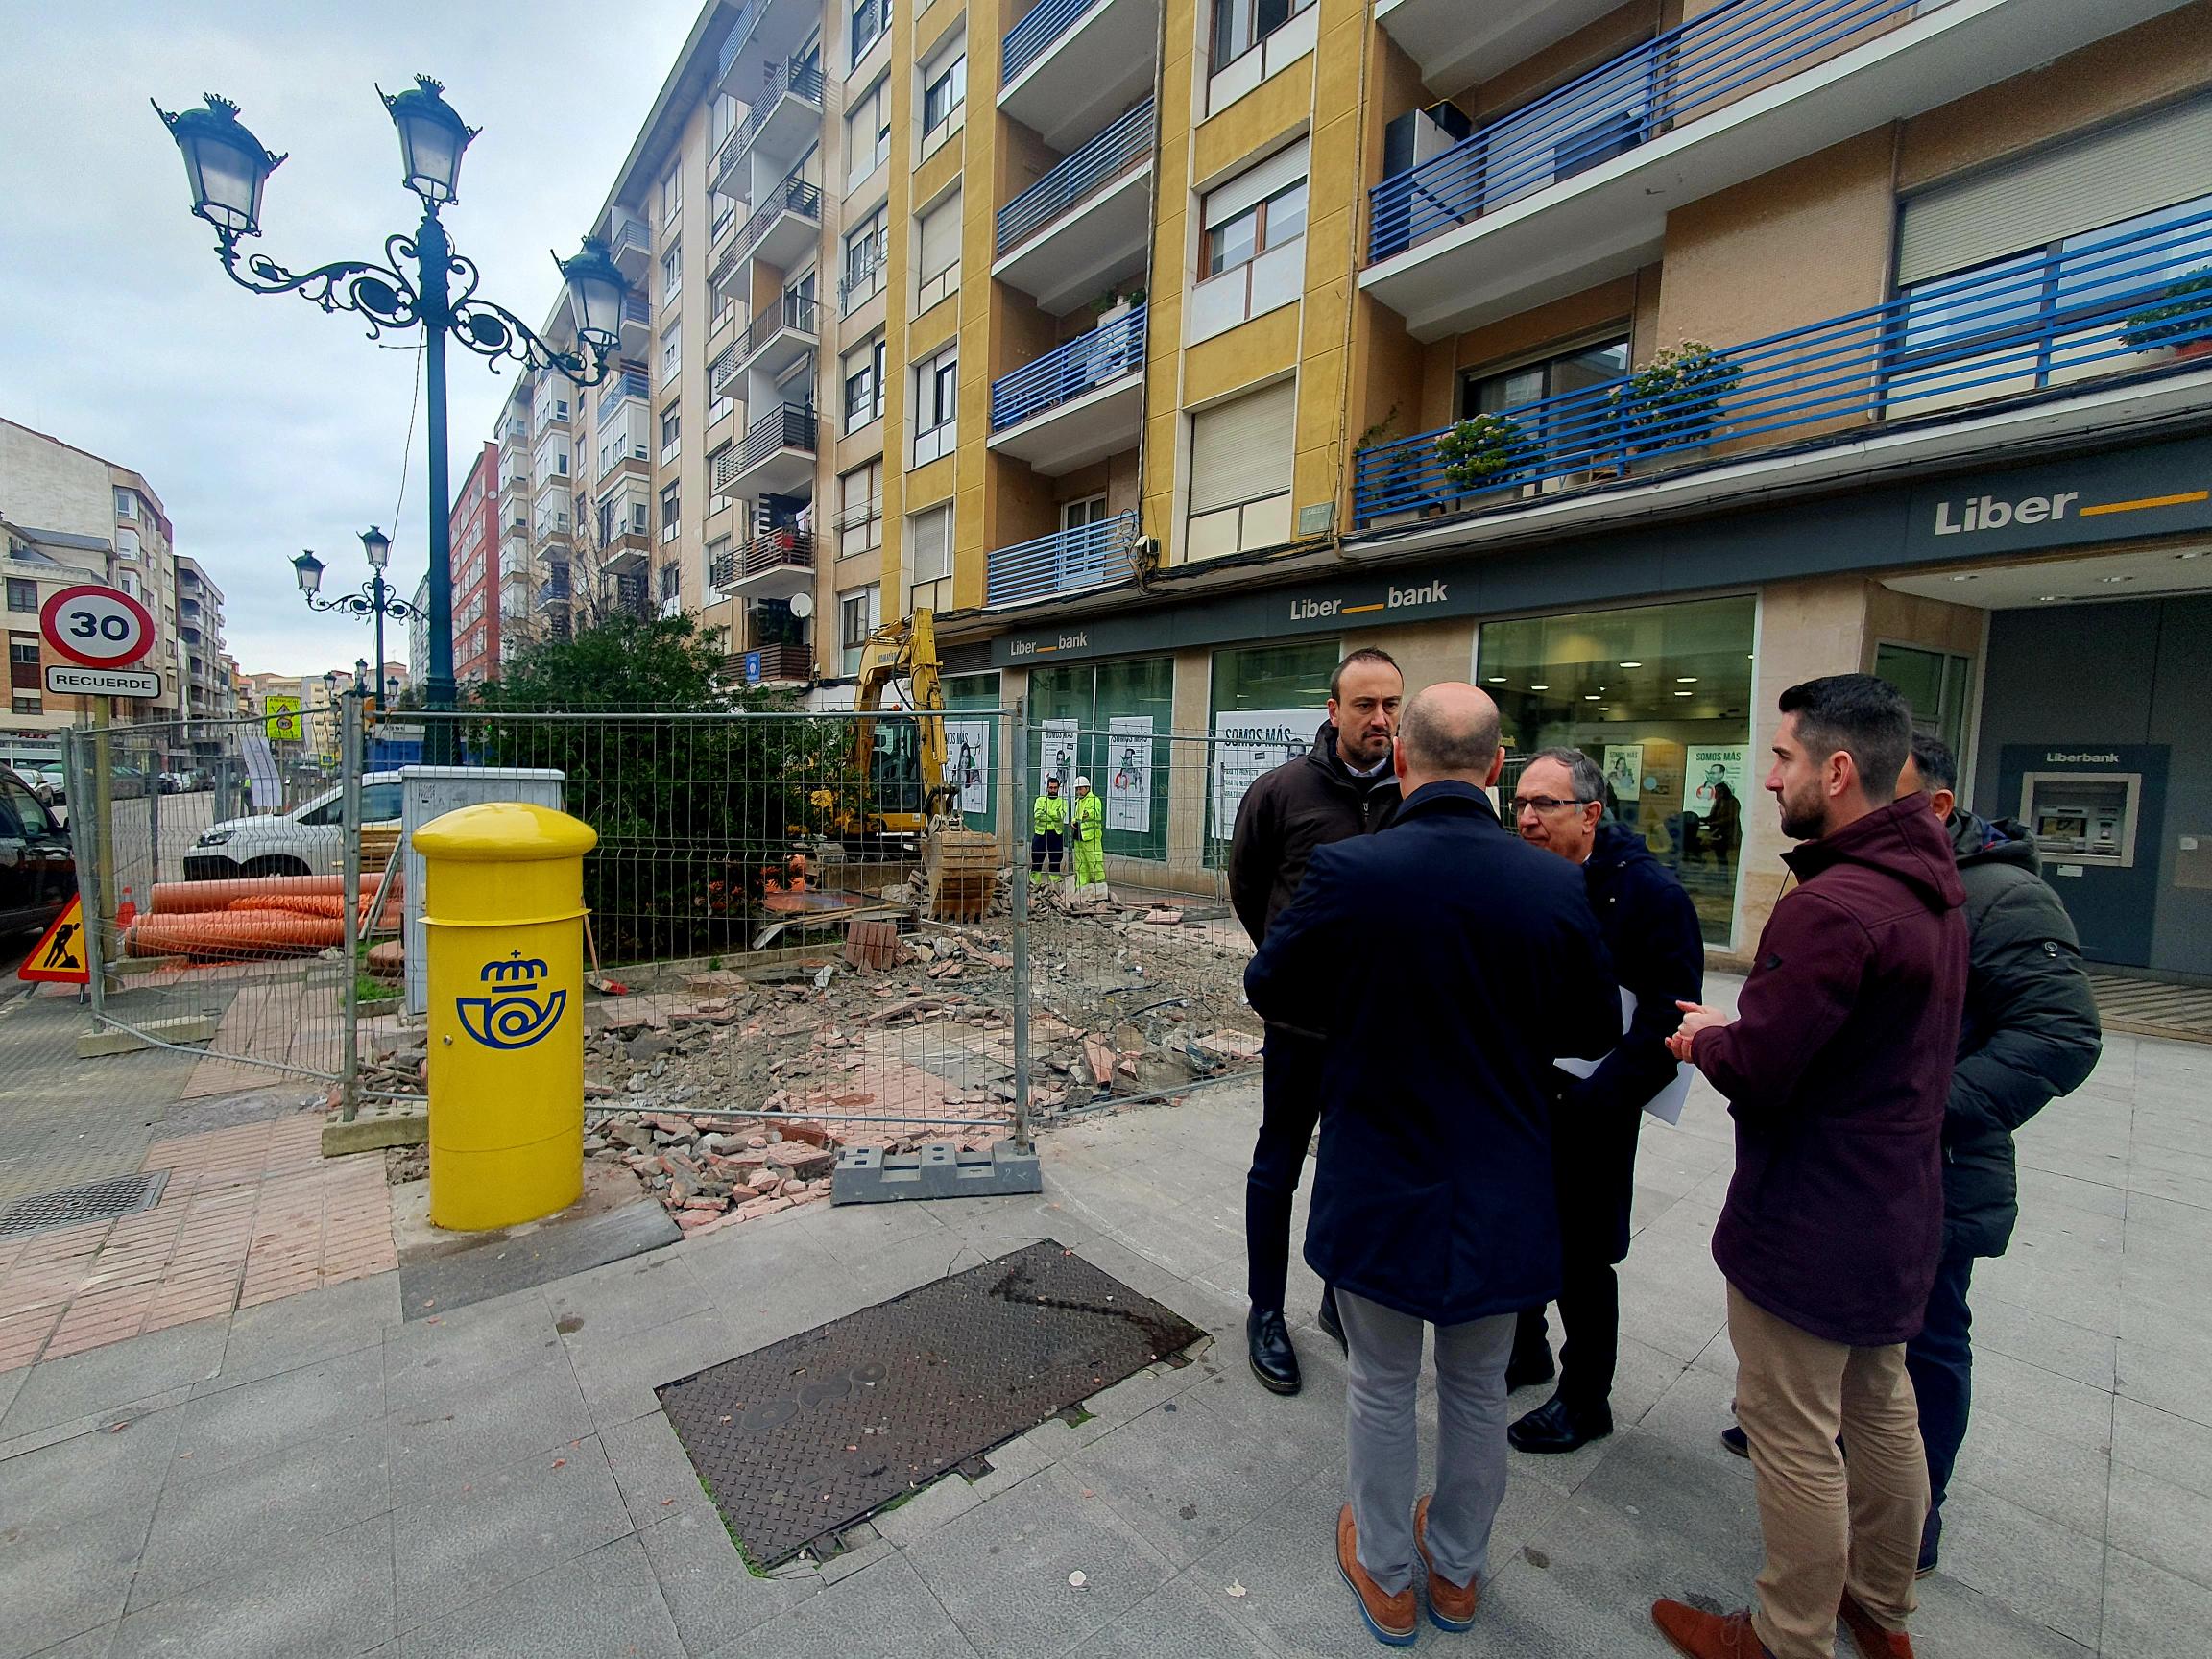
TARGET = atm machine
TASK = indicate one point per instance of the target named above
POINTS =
(2095, 811)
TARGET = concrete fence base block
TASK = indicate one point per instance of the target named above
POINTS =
(940, 1169)
(123, 1040)
(379, 1124)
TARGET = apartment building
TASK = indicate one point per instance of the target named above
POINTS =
(474, 529)
(74, 517)
(202, 663)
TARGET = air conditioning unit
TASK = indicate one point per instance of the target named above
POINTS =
(1420, 133)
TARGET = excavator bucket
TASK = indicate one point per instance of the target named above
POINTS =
(961, 867)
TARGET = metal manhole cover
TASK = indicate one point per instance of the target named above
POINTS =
(94, 1201)
(818, 1431)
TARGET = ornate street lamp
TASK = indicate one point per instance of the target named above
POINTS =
(377, 599)
(421, 283)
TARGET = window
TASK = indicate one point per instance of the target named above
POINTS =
(1084, 513)
(672, 512)
(721, 122)
(719, 408)
(930, 544)
(1251, 251)
(671, 433)
(939, 269)
(126, 504)
(944, 91)
(871, 19)
(129, 583)
(671, 582)
(860, 510)
(1556, 434)
(855, 621)
(936, 404)
(672, 350)
(1241, 472)
(27, 702)
(868, 133)
(1124, 698)
(863, 386)
(719, 467)
(671, 196)
(864, 249)
(672, 272)
(1240, 25)
(22, 596)
(1936, 684)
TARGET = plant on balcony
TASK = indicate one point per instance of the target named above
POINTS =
(1676, 398)
(1478, 449)
(2184, 322)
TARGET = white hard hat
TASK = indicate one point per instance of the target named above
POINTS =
(1082, 782)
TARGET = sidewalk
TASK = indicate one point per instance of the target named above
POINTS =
(311, 1477)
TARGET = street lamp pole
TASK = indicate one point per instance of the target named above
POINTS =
(422, 281)
(377, 599)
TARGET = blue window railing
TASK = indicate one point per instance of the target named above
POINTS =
(1117, 146)
(2032, 326)
(1033, 36)
(1065, 562)
(1636, 97)
(1066, 373)
(630, 382)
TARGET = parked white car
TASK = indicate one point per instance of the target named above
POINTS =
(307, 841)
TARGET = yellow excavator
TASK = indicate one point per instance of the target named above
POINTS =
(897, 754)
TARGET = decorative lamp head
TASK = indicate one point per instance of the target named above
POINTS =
(596, 290)
(310, 569)
(225, 165)
(432, 135)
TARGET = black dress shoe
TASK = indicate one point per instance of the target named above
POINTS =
(1274, 1362)
(1558, 1427)
(1332, 1325)
(1527, 1370)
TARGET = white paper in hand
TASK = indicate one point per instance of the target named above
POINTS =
(1666, 1105)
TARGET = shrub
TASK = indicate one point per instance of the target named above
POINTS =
(1478, 449)
(2187, 314)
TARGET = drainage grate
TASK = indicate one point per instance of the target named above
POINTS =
(809, 1436)
(94, 1201)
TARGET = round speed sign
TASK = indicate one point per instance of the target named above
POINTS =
(97, 627)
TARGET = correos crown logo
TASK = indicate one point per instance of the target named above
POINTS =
(514, 1017)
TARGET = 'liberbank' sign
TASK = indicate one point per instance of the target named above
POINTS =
(1322, 608)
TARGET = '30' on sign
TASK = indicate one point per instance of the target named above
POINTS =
(97, 627)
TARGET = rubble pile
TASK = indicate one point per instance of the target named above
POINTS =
(707, 1177)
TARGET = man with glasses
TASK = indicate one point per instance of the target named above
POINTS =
(1658, 954)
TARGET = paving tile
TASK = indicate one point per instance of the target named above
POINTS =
(330, 1594)
(602, 1602)
(90, 1472)
(338, 1397)
(1185, 1615)
(2042, 1571)
(2035, 1337)
(86, 1385)
(619, 1372)
(636, 1295)
(308, 1329)
(884, 1612)
(2157, 1521)
(2172, 1447)
(1183, 1478)
(454, 1440)
(2064, 1478)
(651, 1469)
(536, 1514)
(62, 1580)
(942, 1501)
(92, 1645)
(2150, 1613)
(709, 1591)
(456, 1353)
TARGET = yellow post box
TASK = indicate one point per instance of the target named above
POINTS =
(503, 911)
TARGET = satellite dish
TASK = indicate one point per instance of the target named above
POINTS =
(801, 606)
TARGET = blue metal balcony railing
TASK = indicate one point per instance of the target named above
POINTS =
(1115, 149)
(1687, 72)
(802, 81)
(793, 196)
(2034, 326)
(1067, 372)
(1063, 563)
(1033, 36)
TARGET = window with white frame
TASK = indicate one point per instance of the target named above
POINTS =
(930, 544)
(867, 132)
(1248, 40)
(672, 195)
(719, 408)
(871, 20)
(672, 272)
(126, 504)
(863, 370)
(936, 404)
(938, 267)
(672, 350)
(718, 554)
(671, 433)
(860, 510)
(857, 613)
(671, 581)
(721, 122)
(943, 96)
(718, 467)
(130, 585)
(1251, 244)
(864, 250)
(126, 545)
(672, 512)
(1240, 456)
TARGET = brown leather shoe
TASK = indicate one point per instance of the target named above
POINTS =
(1450, 1606)
(1874, 1641)
(1393, 1619)
(1700, 1635)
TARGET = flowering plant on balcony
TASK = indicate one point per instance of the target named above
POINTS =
(2185, 320)
(1476, 450)
(1676, 397)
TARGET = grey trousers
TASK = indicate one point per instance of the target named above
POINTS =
(1381, 1380)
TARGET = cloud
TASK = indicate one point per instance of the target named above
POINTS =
(264, 426)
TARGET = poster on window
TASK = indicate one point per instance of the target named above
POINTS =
(968, 763)
(1707, 771)
(1058, 758)
(1247, 742)
(1625, 771)
(1129, 773)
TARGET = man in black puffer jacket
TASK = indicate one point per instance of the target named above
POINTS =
(2031, 1035)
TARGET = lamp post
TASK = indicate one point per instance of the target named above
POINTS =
(377, 598)
(422, 281)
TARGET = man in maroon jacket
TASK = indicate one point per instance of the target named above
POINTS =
(1836, 1069)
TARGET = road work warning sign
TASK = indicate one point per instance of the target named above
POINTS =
(58, 959)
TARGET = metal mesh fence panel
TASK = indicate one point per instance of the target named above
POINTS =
(212, 865)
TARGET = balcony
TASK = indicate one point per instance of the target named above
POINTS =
(776, 457)
(786, 225)
(859, 285)
(1082, 226)
(1067, 562)
(625, 550)
(766, 33)
(786, 117)
(1068, 64)
(1456, 45)
(1575, 189)
(553, 591)
(630, 382)
(786, 331)
(631, 244)
(770, 666)
(772, 565)
(1076, 404)
(636, 323)
(722, 373)
(628, 595)
(1925, 373)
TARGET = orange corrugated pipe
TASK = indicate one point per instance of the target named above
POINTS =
(239, 935)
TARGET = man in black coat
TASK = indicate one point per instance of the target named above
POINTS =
(1658, 952)
(1433, 1193)
(1340, 787)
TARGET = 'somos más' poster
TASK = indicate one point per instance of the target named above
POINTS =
(968, 763)
(1058, 758)
(1247, 742)
(1705, 770)
(1129, 773)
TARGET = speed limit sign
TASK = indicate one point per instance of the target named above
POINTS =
(97, 627)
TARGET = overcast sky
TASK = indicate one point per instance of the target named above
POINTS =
(264, 426)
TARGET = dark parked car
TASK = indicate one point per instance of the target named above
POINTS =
(37, 872)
